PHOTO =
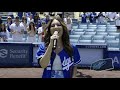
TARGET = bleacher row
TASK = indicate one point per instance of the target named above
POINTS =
(96, 34)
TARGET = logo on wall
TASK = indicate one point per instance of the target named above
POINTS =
(116, 60)
(3, 53)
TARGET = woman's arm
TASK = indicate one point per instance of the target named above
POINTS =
(44, 61)
(74, 72)
(12, 31)
(28, 31)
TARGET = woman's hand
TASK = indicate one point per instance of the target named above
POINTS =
(54, 36)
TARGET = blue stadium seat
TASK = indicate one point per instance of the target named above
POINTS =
(98, 37)
(92, 27)
(110, 37)
(74, 36)
(89, 30)
(100, 30)
(98, 41)
(113, 43)
(78, 30)
(117, 35)
(78, 33)
(86, 37)
(90, 33)
(111, 27)
(102, 33)
(101, 27)
(82, 27)
(85, 41)
(75, 27)
(111, 30)
(73, 40)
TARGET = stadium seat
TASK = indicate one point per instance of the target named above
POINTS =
(74, 27)
(114, 34)
(100, 30)
(92, 27)
(101, 25)
(110, 37)
(112, 27)
(78, 30)
(111, 30)
(86, 37)
(98, 41)
(74, 36)
(82, 27)
(90, 33)
(102, 33)
(113, 43)
(78, 33)
(89, 30)
(73, 40)
(98, 37)
(84, 41)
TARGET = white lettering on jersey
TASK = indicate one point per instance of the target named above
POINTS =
(66, 63)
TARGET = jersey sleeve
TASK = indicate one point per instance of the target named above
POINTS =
(76, 56)
(40, 51)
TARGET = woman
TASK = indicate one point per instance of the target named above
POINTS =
(37, 20)
(59, 62)
(41, 31)
(8, 23)
(24, 22)
(68, 22)
(117, 22)
(31, 30)
(4, 32)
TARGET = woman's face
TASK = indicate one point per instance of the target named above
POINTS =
(56, 26)
(31, 24)
(9, 19)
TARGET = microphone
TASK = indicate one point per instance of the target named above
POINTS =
(55, 40)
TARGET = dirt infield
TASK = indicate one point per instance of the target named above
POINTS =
(37, 73)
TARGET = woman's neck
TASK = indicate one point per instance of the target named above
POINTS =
(59, 42)
(32, 28)
(59, 46)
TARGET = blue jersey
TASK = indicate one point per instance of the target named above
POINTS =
(67, 63)
(92, 17)
(84, 17)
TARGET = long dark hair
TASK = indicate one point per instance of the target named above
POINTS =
(30, 25)
(65, 37)
(24, 19)
(3, 30)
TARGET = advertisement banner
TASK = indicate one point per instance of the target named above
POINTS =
(15, 54)
(115, 55)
